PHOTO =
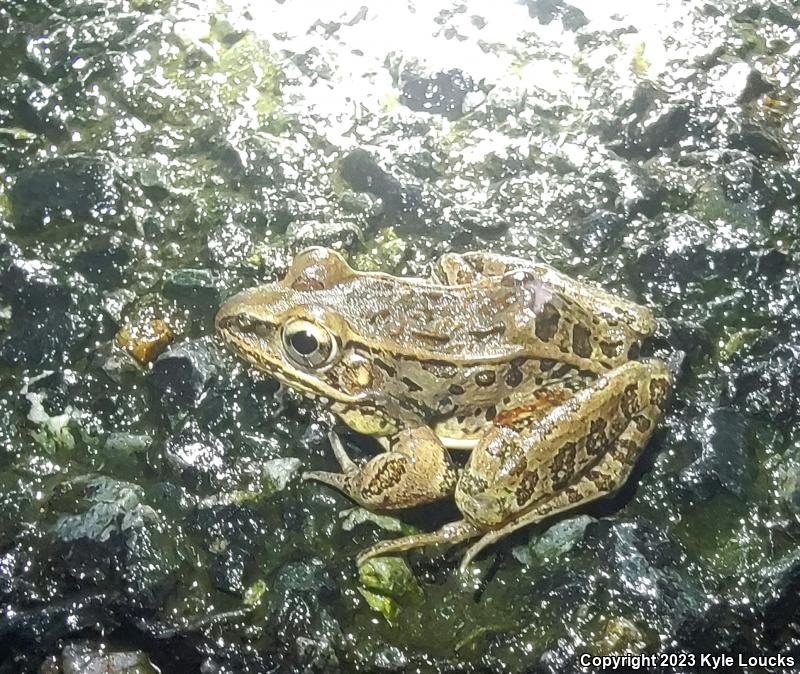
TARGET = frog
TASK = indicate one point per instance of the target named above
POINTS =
(535, 374)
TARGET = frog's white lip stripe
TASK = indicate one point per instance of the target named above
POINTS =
(458, 443)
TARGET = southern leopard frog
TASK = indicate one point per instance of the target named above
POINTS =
(528, 368)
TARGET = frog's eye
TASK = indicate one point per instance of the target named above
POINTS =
(308, 344)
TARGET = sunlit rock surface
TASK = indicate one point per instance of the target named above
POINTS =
(159, 155)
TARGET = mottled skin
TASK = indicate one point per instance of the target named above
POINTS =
(528, 368)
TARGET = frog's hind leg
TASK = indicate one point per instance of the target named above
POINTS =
(603, 479)
(417, 470)
(451, 533)
(613, 468)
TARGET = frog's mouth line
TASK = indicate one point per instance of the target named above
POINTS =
(255, 349)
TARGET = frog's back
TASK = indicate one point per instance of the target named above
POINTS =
(517, 316)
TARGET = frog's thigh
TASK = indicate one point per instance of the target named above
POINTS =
(605, 478)
(417, 470)
(612, 470)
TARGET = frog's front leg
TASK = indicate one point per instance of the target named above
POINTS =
(416, 470)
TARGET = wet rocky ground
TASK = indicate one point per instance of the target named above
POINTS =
(158, 155)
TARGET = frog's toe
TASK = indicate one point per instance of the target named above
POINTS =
(452, 533)
(474, 550)
(336, 480)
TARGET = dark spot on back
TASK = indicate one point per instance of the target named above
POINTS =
(491, 413)
(562, 371)
(388, 369)
(379, 315)
(581, 343)
(445, 405)
(483, 333)
(456, 390)
(610, 349)
(431, 337)
(513, 377)
(485, 378)
(410, 405)
(411, 384)
(546, 323)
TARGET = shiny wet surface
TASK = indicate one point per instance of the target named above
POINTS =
(158, 156)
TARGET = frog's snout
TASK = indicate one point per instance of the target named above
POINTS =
(232, 309)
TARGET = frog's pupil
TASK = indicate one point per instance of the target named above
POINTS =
(304, 342)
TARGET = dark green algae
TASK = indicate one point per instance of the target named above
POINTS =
(158, 156)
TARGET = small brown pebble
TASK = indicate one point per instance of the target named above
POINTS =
(145, 341)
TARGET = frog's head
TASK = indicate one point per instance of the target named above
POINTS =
(291, 330)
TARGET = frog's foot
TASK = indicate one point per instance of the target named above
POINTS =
(452, 533)
(418, 470)
(347, 464)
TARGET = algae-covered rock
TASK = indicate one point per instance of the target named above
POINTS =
(250, 75)
(192, 286)
(159, 156)
(553, 543)
(388, 584)
(106, 259)
(336, 235)
(385, 252)
(195, 453)
(115, 507)
(82, 188)
(726, 460)
(546, 11)
(362, 172)
(86, 658)
(764, 379)
(229, 568)
(442, 94)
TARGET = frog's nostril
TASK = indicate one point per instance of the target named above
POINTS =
(224, 322)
